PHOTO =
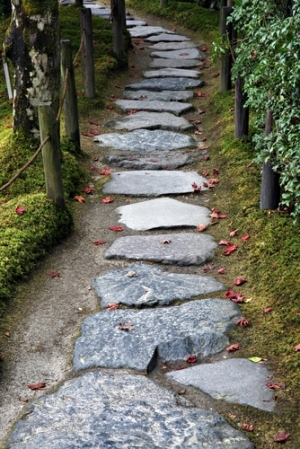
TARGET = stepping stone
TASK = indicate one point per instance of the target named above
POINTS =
(175, 107)
(141, 284)
(188, 53)
(171, 333)
(180, 63)
(156, 160)
(134, 23)
(182, 249)
(174, 45)
(120, 411)
(150, 120)
(171, 72)
(145, 31)
(152, 214)
(235, 380)
(164, 37)
(143, 139)
(166, 84)
(152, 183)
(165, 95)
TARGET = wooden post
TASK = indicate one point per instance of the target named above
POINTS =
(226, 60)
(241, 113)
(117, 12)
(163, 3)
(51, 155)
(88, 71)
(270, 188)
(79, 3)
(70, 103)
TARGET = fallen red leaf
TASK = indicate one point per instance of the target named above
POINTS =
(207, 268)
(118, 86)
(216, 75)
(94, 122)
(196, 188)
(166, 241)
(126, 327)
(105, 171)
(201, 227)
(20, 210)
(230, 249)
(221, 270)
(242, 322)
(204, 139)
(99, 242)
(205, 157)
(132, 111)
(248, 427)
(234, 296)
(275, 386)
(112, 306)
(195, 121)
(183, 54)
(233, 348)
(88, 134)
(201, 111)
(204, 48)
(281, 437)
(93, 168)
(191, 358)
(240, 281)
(223, 242)
(201, 94)
(205, 173)
(215, 171)
(88, 190)
(79, 198)
(267, 309)
(110, 106)
(54, 274)
(222, 216)
(116, 228)
(108, 199)
(198, 132)
(233, 233)
(38, 386)
(297, 348)
(94, 132)
(214, 181)
(245, 237)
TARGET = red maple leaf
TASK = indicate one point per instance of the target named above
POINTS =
(248, 427)
(116, 228)
(233, 233)
(94, 122)
(281, 437)
(267, 309)
(223, 242)
(108, 199)
(234, 296)
(221, 270)
(99, 242)
(242, 322)
(297, 348)
(191, 358)
(88, 190)
(245, 237)
(233, 348)
(37, 386)
(20, 210)
(112, 306)
(105, 171)
(215, 171)
(54, 274)
(240, 281)
(79, 198)
(230, 249)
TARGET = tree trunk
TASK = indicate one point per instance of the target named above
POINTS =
(163, 3)
(241, 114)
(270, 188)
(118, 21)
(32, 44)
(226, 61)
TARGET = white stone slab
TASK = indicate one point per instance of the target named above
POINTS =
(175, 63)
(145, 31)
(164, 37)
(150, 120)
(174, 107)
(188, 53)
(171, 72)
(164, 95)
(174, 45)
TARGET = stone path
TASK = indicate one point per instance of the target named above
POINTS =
(164, 315)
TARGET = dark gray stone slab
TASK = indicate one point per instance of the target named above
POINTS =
(143, 139)
(150, 120)
(175, 107)
(180, 63)
(173, 45)
(134, 23)
(152, 183)
(162, 213)
(155, 160)
(167, 72)
(145, 31)
(183, 249)
(166, 84)
(234, 380)
(187, 53)
(165, 37)
(165, 95)
(101, 410)
(196, 327)
(141, 284)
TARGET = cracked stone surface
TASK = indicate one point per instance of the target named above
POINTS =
(180, 63)
(162, 213)
(165, 37)
(183, 249)
(150, 120)
(188, 53)
(166, 84)
(174, 107)
(233, 380)
(121, 411)
(134, 23)
(144, 139)
(172, 333)
(165, 95)
(155, 160)
(142, 284)
(152, 183)
(145, 31)
(174, 45)
(171, 72)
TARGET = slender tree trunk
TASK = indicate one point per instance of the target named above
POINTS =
(118, 20)
(32, 44)
(226, 61)
(241, 112)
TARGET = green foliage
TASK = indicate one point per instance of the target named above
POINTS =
(268, 59)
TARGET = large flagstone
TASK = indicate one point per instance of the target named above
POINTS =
(172, 333)
(105, 410)
(174, 107)
(134, 23)
(145, 31)
(169, 249)
(164, 37)
(144, 139)
(235, 380)
(165, 95)
(153, 183)
(174, 45)
(166, 84)
(169, 71)
(187, 53)
(142, 284)
(180, 63)
(150, 120)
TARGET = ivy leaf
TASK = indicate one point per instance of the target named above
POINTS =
(255, 359)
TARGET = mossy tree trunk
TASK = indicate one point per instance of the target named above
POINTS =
(32, 45)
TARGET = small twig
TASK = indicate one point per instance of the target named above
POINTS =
(63, 95)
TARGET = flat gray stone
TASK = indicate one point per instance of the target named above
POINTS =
(105, 410)
(134, 23)
(233, 380)
(183, 249)
(165, 95)
(187, 53)
(173, 45)
(145, 31)
(162, 213)
(143, 139)
(166, 37)
(163, 73)
(155, 160)
(175, 107)
(141, 284)
(150, 120)
(166, 84)
(196, 327)
(180, 63)
(152, 183)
